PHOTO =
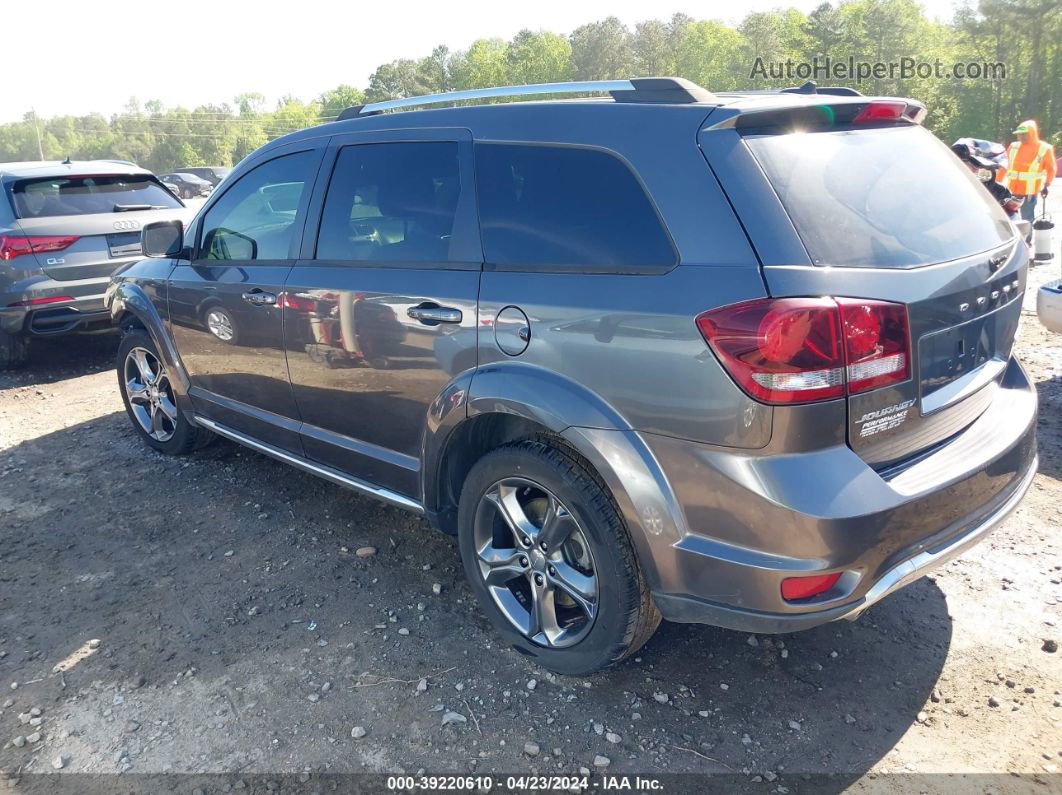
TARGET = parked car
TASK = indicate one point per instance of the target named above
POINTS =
(64, 229)
(212, 174)
(188, 185)
(738, 359)
(1049, 305)
(171, 186)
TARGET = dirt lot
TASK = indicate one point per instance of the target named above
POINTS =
(210, 615)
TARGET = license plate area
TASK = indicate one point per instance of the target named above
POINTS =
(947, 355)
(125, 244)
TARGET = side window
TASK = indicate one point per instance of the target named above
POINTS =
(255, 218)
(558, 208)
(393, 202)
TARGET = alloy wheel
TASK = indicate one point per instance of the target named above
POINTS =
(220, 325)
(535, 562)
(150, 395)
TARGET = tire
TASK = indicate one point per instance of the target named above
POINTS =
(221, 325)
(536, 474)
(173, 434)
(14, 351)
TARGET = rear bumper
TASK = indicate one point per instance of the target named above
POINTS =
(689, 609)
(85, 309)
(754, 521)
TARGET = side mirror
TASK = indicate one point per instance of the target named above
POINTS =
(162, 239)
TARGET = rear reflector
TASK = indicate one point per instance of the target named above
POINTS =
(796, 588)
(11, 247)
(800, 350)
(54, 299)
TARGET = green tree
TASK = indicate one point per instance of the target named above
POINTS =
(652, 50)
(711, 55)
(394, 80)
(483, 65)
(538, 57)
(338, 99)
(435, 72)
(602, 50)
(825, 30)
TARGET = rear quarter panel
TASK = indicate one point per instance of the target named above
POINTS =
(630, 339)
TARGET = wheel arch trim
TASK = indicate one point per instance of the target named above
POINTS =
(646, 501)
(128, 298)
(616, 452)
(513, 389)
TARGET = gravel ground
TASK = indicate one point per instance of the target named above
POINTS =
(226, 614)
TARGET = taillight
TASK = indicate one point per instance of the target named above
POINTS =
(296, 303)
(800, 350)
(786, 350)
(11, 247)
(876, 343)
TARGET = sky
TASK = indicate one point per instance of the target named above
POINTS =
(208, 51)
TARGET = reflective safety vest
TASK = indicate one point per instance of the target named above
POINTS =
(1029, 180)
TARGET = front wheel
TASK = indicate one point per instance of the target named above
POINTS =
(550, 561)
(147, 393)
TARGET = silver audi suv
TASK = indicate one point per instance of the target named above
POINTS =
(64, 229)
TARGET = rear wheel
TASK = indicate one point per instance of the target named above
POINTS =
(14, 351)
(147, 393)
(550, 561)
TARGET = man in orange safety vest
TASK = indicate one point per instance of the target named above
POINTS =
(1031, 169)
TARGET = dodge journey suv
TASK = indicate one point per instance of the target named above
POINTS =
(738, 359)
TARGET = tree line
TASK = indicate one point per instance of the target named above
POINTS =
(1023, 36)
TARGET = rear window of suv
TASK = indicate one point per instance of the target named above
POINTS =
(887, 198)
(87, 195)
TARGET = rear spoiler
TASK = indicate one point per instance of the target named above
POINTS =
(832, 111)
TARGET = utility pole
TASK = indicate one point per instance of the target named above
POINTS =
(37, 127)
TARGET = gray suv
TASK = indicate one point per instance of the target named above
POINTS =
(737, 359)
(64, 229)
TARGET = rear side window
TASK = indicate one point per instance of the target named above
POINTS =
(393, 202)
(880, 197)
(87, 195)
(255, 218)
(566, 208)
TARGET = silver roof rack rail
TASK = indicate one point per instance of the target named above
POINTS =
(671, 90)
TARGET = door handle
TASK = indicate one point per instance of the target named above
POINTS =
(433, 314)
(259, 298)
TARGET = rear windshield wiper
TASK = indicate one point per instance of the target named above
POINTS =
(128, 208)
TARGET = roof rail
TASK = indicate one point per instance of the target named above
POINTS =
(660, 90)
(811, 88)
